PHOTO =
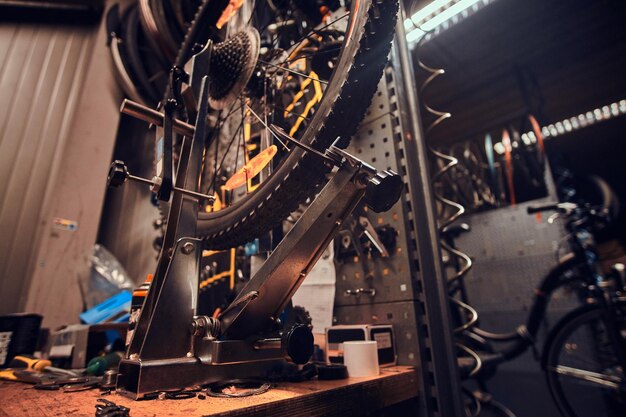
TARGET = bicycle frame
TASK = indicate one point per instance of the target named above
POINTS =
(578, 266)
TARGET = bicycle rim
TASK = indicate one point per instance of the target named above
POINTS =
(337, 114)
(582, 368)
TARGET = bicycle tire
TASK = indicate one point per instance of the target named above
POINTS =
(569, 344)
(345, 101)
(136, 61)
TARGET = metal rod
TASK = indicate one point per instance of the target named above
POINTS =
(139, 111)
(177, 189)
(195, 194)
(274, 343)
(278, 130)
(293, 71)
(139, 179)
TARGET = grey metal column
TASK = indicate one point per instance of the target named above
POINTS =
(441, 388)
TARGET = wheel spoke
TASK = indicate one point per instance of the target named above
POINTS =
(608, 381)
(311, 55)
(318, 31)
(218, 167)
(293, 71)
(291, 112)
(268, 128)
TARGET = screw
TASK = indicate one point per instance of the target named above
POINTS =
(189, 355)
(187, 248)
(133, 357)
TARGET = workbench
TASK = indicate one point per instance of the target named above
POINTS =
(347, 397)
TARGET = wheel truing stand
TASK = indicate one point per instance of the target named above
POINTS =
(172, 347)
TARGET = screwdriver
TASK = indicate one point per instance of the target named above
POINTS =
(30, 363)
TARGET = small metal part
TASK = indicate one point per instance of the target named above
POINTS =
(372, 235)
(276, 27)
(383, 190)
(154, 117)
(188, 248)
(156, 184)
(274, 343)
(109, 379)
(205, 326)
(278, 131)
(107, 408)
(297, 344)
(118, 174)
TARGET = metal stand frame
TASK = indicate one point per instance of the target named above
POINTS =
(174, 348)
(440, 381)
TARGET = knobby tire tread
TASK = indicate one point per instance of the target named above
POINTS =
(303, 173)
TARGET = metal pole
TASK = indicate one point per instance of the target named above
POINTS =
(442, 390)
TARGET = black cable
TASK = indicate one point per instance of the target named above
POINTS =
(254, 387)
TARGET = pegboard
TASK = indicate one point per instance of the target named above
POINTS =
(502, 285)
(401, 314)
(509, 232)
(378, 142)
(512, 252)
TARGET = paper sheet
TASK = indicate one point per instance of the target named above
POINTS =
(317, 292)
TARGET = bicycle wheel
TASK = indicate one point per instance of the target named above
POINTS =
(582, 367)
(360, 38)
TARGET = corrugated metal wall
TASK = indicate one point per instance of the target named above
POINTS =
(57, 127)
(42, 70)
(126, 227)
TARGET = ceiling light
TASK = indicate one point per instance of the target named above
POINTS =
(439, 13)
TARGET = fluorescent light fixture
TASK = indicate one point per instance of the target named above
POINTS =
(425, 12)
(447, 14)
(415, 35)
(424, 21)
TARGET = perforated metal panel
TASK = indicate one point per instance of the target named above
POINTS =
(512, 252)
(379, 142)
(410, 285)
(401, 314)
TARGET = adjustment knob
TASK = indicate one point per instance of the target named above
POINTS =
(383, 190)
(297, 344)
(118, 174)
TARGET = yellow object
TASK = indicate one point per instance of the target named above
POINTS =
(229, 12)
(225, 274)
(251, 169)
(8, 375)
(315, 99)
(29, 362)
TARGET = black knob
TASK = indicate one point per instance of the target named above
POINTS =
(118, 173)
(297, 344)
(383, 190)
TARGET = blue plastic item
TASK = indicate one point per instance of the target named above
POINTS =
(114, 309)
